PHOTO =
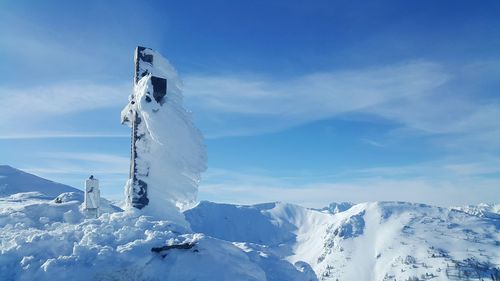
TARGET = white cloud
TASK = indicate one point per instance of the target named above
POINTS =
(451, 114)
(372, 143)
(61, 98)
(48, 49)
(412, 184)
(83, 162)
(24, 107)
(415, 95)
(227, 102)
(421, 97)
(320, 194)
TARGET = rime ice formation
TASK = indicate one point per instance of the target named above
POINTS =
(168, 154)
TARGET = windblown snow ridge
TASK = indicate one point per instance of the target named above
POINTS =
(368, 241)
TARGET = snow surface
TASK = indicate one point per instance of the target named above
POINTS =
(47, 238)
(44, 240)
(482, 210)
(334, 207)
(14, 181)
(171, 153)
(368, 241)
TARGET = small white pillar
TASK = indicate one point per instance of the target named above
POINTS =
(92, 197)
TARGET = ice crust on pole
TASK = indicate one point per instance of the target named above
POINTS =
(168, 153)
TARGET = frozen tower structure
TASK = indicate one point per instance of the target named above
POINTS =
(138, 193)
(167, 151)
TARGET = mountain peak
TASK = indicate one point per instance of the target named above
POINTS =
(7, 168)
(14, 181)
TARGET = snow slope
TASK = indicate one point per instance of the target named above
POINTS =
(47, 238)
(482, 210)
(42, 238)
(17, 186)
(369, 241)
(53, 241)
(14, 181)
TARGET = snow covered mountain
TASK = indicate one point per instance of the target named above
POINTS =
(369, 241)
(42, 238)
(14, 181)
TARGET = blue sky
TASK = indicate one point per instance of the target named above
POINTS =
(301, 101)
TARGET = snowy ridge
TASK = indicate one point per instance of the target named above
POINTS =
(14, 181)
(369, 241)
(47, 238)
(482, 210)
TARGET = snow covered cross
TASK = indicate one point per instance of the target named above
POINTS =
(144, 63)
(167, 151)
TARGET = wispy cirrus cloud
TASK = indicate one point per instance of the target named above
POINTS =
(76, 163)
(37, 112)
(417, 96)
(372, 143)
(420, 97)
(228, 103)
(61, 98)
(320, 194)
(440, 183)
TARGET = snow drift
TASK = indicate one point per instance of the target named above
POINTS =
(44, 240)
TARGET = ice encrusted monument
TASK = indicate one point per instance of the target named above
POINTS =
(167, 151)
